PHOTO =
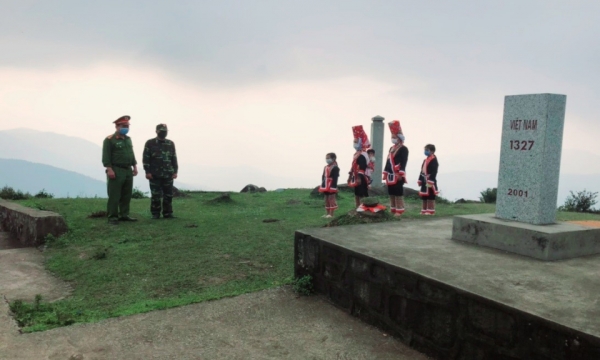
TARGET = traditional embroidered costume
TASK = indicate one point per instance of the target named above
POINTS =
(358, 179)
(428, 183)
(328, 186)
(394, 173)
(369, 171)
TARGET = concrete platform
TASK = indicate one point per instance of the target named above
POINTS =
(544, 242)
(453, 300)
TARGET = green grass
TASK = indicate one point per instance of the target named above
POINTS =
(212, 250)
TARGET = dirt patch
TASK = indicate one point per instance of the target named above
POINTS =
(224, 198)
(587, 223)
(97, 214)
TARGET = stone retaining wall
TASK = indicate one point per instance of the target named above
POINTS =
(30, 226)
(436, 319)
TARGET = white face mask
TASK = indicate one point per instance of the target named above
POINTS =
(373, 159)
(394, 141)
(328, 161)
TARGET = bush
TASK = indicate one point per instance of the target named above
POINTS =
(580, 202)
(8, 193)
(304, 285)
(27, 314)
(488, 196)
(44, 195)
(138, 194)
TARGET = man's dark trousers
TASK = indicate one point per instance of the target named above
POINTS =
(161, 189)
(119, 193)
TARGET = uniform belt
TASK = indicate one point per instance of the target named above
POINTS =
(122, 166)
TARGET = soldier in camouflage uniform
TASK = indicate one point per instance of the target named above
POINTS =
(121, 167)
(160, 164)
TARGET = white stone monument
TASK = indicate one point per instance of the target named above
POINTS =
(524, 222)
(532, 132)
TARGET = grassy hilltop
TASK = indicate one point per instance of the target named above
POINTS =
(211, 250)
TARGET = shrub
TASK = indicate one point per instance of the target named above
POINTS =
(580, 202)
(27, 314)
(304, 285)
(488, 196)
(8, 193)
(138, 194)
(44, 195)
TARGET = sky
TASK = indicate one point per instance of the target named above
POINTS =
(275, 85)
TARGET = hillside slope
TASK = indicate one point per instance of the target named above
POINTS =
(33, 177)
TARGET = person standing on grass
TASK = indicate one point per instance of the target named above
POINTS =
(119, 160)
(394, 172)
(428, 181)
(357, 178)
(160, 165)
(329, 184)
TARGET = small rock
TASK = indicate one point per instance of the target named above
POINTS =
(76, 357)
(315, 192)
(408, 192)
(250, 188)
(179, 193)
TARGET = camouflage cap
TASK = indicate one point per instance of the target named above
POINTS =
(161, 127)
(123, 120)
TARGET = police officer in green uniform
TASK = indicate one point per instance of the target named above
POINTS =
(121, 167)
(160, 165)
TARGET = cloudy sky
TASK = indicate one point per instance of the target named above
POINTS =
(274, 85)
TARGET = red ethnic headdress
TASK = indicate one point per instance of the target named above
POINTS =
(361, 135)
(395, 127)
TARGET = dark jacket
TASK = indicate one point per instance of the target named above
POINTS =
(160, 158)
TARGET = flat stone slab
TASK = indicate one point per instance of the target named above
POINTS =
(517, 303)
(23, 276)
(559, 241)
(272, 325)
(30, 226)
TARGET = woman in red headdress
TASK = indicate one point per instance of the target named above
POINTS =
(394, 173)
(357, 178)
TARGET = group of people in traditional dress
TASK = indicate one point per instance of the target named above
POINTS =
(360, 175)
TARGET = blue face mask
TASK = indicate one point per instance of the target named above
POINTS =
(123, 131)
(427, 152)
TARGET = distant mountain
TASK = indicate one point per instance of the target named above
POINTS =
(63, 152)
(31, 177)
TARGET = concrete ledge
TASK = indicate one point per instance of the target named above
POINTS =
(30, 226)
(451, 300)
(544, 242)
